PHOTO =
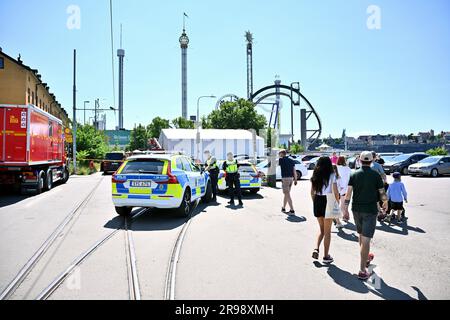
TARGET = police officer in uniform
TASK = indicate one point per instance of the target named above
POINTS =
(213, 169)
(231, 167)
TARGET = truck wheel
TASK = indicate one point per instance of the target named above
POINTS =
(184, 210)
(123, 211)
(40, 182)
(208, 195)
(49, 180)
(65, 175)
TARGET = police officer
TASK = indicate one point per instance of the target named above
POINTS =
(213, 169)
(230, 166)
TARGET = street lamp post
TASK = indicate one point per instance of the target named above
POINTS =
(198, 123)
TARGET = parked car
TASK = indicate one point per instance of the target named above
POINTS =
(402, 162)
(431, 166)
(301, 169)
(250, 178)
(309, 157)
(311, 164)
(161, 181)
(112, 162)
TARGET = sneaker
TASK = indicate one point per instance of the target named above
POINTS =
(370, 259)
(327, 259)
(283, 210)
(241, 203)
(363, 275)
(292, 213)
(315, 254)
(231, 202)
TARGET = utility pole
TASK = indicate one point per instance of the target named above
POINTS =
(74, 126)
(249, 38)
(121, 55)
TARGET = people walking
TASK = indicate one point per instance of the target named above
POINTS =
(334, 158)
(344, 173)
(213, 169)
(379, 168)
(367, 187)
(288, 177)
(397, 194)
(231, 168)
(323, 189)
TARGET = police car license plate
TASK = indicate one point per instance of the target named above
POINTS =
(142, 184)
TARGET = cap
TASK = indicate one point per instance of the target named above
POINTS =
(366, 156)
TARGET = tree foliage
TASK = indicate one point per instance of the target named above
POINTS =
(155, 127)
(239, 114)
(437, 152)
(139, 138)
(297, 148)
(182, 123)
(91, 143)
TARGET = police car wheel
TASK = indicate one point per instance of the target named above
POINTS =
(254, 191)
(208, 195)
(185, 207)
(123, 211)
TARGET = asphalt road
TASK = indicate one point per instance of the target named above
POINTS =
(255, 252)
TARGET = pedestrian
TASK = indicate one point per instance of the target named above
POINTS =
(334, 158)
(357, 162)
(344, 173)
(231, 168)
(379, 168)
(213, 169)
(367, 187)
(323, 189)
(397, 194)
(288, 177)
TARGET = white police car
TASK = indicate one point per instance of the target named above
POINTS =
(159, 181)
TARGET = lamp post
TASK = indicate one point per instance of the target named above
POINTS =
(198, 123)
(84, 108)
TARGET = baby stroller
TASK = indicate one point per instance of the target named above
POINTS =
(391, 214)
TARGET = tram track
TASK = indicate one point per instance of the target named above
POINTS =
(43, 249)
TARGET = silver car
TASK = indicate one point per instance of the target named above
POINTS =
(431, 166)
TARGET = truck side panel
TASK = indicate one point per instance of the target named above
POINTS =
(2, 127)
(14, 134)
(40, 143)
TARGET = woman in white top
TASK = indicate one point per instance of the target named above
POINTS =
(344, 173)
(323, 183)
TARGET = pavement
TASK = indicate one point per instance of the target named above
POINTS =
(254, 252)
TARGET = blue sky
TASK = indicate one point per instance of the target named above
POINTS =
(392, 80)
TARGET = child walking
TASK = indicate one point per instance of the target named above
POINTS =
(397, 194)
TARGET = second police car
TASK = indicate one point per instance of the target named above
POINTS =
(162, 181)
(249, 177)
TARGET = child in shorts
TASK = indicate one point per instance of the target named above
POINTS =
(397, 194)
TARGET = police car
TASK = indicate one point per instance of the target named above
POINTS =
(162, 181)
(249, 177)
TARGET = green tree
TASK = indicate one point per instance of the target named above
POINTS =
(138, 139)
(239, 114)
(182, 123)
(91, 143)
(437, 152)
(297, 148)
(155, 127)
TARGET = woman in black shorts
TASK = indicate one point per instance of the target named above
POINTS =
(323, 182)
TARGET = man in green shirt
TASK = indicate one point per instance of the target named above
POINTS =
(367, 188)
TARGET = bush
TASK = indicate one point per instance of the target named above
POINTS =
(437, 152)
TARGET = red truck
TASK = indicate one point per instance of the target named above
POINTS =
(32, 149)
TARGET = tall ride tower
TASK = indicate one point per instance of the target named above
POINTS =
(121, 55)
(184, 42)
(249, 38)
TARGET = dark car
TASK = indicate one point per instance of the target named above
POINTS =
(112, 162)
(309, 157)
(402, 162)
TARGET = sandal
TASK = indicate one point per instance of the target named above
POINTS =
(315, 254)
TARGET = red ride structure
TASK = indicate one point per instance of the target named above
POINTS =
(32, 149)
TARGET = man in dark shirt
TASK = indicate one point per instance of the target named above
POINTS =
(288, 177)
(367, 188)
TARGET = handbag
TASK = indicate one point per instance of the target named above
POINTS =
(333, 209)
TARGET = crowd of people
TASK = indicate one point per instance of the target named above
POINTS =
(334, 187)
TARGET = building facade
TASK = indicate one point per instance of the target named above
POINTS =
(22, 85)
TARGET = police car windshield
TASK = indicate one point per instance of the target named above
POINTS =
(114, 156)
(144, 166)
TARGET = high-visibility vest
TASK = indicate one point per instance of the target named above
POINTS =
(232, 166)
(211, 166)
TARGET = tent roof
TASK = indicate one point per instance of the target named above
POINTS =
(208, 134)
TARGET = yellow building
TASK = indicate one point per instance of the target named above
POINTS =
(21, 85)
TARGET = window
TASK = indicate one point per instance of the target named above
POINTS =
(186, 165)
(29, 95)
(32, 97)
(179, 164)
(2, 63)
(144, 166)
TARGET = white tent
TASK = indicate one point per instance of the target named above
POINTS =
(218, 141)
